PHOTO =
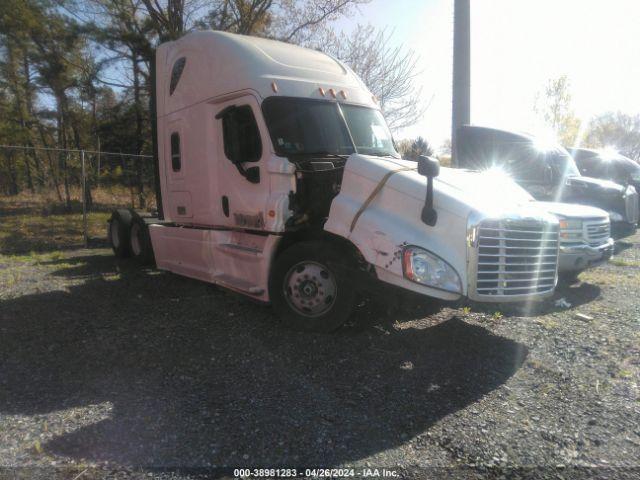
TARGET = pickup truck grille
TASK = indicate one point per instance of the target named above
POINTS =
(598, 231)
(631, 206)
(516, 257)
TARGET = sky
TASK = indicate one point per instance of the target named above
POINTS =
(516, 47)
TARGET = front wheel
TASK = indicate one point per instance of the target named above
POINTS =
(309, 288)
(569, 278)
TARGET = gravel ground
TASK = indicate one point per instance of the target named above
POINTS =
(105, 367)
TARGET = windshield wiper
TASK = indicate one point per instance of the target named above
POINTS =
(381, 153)
(328, 154)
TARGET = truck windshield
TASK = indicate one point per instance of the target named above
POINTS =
(302, 126)
(562, 163)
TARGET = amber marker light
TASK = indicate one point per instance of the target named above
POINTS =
(274, 87)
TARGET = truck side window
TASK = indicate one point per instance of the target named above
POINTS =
(176, 73)
(241, 135)
(176, 162)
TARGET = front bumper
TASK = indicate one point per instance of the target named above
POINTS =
(581, 257)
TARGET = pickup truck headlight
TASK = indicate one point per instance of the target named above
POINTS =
(615, 217)
(570, 229)
(424, 267)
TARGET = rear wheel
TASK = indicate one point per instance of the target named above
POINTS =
(118, 233)
(309, 288)
(140, 242)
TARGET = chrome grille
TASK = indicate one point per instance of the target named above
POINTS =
(631, 205)
(516, 257)
(598, 231)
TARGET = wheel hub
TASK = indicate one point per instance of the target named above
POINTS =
(310, 288)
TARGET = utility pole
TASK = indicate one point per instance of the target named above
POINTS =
(85, 233)
(461, 99)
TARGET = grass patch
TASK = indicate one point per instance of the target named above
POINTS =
(621, 262)
(30, 236)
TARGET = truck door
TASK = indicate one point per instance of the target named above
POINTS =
(179, 196)
(243, 150)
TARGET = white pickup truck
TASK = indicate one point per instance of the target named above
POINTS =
(279, 179)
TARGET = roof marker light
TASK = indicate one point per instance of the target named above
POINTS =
(332, 92)
(274, 87)
(344, 94)
(321, 90)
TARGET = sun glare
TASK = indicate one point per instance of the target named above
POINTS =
(545, 141)
(608, 152)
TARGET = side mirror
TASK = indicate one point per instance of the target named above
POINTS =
(430, 168)
(548, 175)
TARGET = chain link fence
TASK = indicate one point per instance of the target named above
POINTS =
(74, 188)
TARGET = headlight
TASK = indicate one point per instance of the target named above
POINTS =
(570, 229)
(615, 217)
(568, 224)
(428, 269)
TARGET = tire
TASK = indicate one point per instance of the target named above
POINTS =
(140, 242)
(569, 278)
(309, 288)
(118, 232)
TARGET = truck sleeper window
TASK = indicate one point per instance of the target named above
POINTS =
(176, 73)
(241, 135)
(176, 161)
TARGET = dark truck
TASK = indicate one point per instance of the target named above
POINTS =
(608, 166)
(546, 171)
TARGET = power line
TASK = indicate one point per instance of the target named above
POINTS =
(22, 147)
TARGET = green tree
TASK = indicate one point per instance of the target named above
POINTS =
(413, 149)
(554, 106)
(615, 129)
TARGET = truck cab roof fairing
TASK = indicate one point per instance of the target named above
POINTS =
(219, 63)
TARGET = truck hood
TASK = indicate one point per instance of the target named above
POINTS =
(595, 184)
(603, 194)
(391, 219)
(457, 191)
(572, 210)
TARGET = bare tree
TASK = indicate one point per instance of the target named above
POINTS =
(390, 71)
(302, 21)
(293, 21)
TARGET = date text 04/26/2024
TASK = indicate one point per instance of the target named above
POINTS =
(314, 473)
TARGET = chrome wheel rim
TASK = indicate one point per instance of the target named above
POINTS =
(310, 288)
(135, 239)
(114, 232)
